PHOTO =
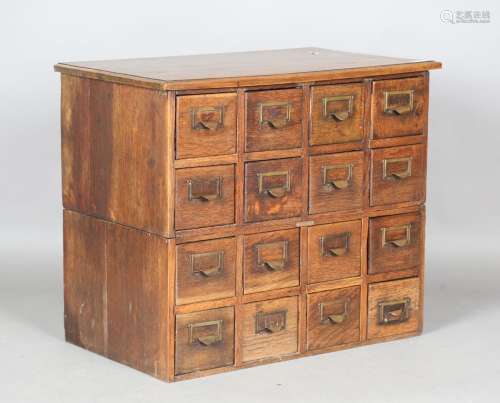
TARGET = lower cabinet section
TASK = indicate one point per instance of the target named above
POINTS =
(204, 340)
(333, 318)
(393, 308)
(183, 310)
(270, 329)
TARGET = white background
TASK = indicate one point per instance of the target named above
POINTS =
(457, 358)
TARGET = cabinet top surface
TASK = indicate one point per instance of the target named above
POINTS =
(243, 68)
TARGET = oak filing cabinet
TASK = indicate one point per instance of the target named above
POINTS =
(228, 210)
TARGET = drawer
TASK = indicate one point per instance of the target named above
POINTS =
(273, 120)
(395, 242)
(204, 197)
(271, 261)
(206, 125)
(334, 251)
(273, 189)
(337, 114)
(269, 329)
(204, 340)
(205, 270)
(399, 107)
(336, 182)
(333, 317)
(398, 175)
(393, 308)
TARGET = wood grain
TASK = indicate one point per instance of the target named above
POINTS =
(114, 152)
(262, 205)
(393, 291)
(323, 265)
(386, 256)
(205, 270)
(215, 181)
(258, 345)
(116, 294)
(397, 190)
(265, 107)
(136, 271)
(393, 125)
(325, 171)
(243, 68)
(192, 355)
(85, 310)
(322, 332)
(326, 129)
(194, 140)
(279, 246)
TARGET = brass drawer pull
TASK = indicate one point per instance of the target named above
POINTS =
(208, 264)
(338, 108)
(266, 255)
(329, 312)
(396, 168)
(271, 322)
(399, 236)
(275, 184)
(205, 333)
(393, 312)
(335, 245)
(207, 118)
(275, 114)
(336, 176)
(204, 190)
(398, 102)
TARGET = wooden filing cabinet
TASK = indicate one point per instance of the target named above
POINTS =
(229, 210)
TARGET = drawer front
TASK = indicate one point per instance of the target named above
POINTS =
(393, 308)
(334, 251)
(398, 175)
(399, 107)
(204, 340)
(206, 125)
(333, 318)
(273, 189)
(271, 261)
(273, 120)
(204, 197)
(336, 182)
(269, 329)
(337, 114)
(205, 270)
(395, 243)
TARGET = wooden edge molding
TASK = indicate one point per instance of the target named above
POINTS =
(248, 81)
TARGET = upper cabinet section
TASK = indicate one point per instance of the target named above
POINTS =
(227, 142)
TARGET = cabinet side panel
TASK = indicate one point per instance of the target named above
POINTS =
(84, 282)
(137, 299)
(139, 159)
(76, 143)
(116, 153)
